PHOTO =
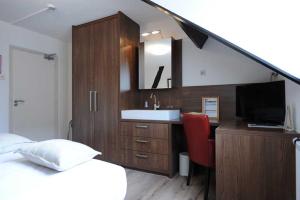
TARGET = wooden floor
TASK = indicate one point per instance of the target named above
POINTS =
(146, 186)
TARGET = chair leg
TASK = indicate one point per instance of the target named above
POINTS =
(191, 169)
(207, 185)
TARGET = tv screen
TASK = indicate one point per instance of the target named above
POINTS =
(261, 103)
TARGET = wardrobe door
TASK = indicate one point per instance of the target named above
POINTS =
(82, 81)
(106, 68)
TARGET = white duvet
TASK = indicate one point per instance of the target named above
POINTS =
(93, 180)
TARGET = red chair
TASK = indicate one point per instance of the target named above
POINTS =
(201, 148)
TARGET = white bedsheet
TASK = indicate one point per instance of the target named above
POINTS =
(9, 157)
(95, 179)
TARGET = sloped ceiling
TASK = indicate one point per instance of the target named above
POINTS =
(265, 31)
(58, 24)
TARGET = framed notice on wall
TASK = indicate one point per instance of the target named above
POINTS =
(210, 107)
(1, 70)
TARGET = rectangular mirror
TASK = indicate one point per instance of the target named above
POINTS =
(155, 64)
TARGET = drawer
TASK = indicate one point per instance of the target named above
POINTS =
(152, 130)
(146, 161)
(150, 145)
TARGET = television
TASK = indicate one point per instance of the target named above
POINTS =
(261, 103)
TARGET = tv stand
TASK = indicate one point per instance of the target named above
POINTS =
(254, 163)
(265, 126)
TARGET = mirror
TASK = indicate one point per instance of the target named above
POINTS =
(155, 64)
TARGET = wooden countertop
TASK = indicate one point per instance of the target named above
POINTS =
(239, 127)
(179, 121)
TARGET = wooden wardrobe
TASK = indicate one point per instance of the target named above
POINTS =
(105, 59)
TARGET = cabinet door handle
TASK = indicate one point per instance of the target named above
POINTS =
(141, 126)
(141, 156)
(141, 141)
(95, 101)
(91, 92)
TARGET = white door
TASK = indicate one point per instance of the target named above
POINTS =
(33, 95)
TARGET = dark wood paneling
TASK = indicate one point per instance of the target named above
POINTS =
(146, 161)
(143, 144)
(106, 76)
(129, 44)
(189, 99)
(177, 63)
(254, 164)
(81, 85)
(105, 56)
(148, 130)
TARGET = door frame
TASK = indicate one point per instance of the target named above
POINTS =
(11, 86)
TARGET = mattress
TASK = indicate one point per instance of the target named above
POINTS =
(95, 179)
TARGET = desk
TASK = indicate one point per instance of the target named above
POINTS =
(254, 163)
(212, 122)
(153, 145)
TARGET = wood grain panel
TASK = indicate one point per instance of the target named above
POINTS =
(82, 73)
(148, 130)
(104, 60)
(177, 63)
(129, 41)
(254, 166)
(189, 99)
(146, 161)
(149, 145)
(106, 72)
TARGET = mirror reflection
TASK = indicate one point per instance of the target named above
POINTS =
(155, 69)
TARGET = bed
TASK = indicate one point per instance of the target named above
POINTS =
(21, 179)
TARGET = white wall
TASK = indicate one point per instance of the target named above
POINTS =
(219, 63)
(293, 98)
(15, 36)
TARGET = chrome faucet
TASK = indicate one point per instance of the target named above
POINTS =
(156, 103)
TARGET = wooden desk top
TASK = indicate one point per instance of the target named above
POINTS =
(239, 127)
(179, 121)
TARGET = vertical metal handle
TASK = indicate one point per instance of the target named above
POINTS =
(91, 92)
(95, 101)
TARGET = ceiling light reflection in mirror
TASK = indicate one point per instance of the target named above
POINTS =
(158, 49)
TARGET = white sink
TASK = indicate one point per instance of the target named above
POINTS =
(151, 114)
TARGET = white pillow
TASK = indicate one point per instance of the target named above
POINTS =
(10, 142)
(58, 154)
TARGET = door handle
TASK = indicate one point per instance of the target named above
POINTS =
(90, 93)
(16, 102)
(95, 101)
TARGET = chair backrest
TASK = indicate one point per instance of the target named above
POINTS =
(197, 132)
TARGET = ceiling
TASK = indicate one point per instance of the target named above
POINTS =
(267, 34)
(58, 24)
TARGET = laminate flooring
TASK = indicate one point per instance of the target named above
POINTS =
(147, 186)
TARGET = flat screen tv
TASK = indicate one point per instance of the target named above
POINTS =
(261, 103)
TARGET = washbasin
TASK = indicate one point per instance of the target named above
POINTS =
(151, 114)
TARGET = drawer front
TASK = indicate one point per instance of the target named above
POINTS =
(146, 161)
(152, 130)
(150, 145)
